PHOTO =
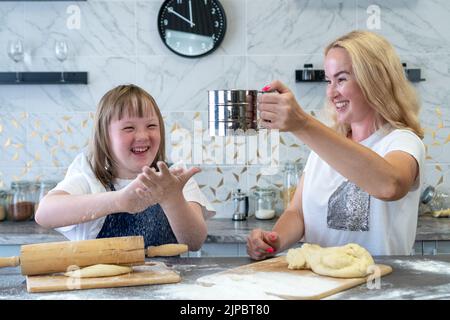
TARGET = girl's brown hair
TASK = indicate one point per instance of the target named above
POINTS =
(380, 75)
(124, 100)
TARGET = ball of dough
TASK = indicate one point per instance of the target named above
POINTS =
(349, 261)
(99, 270)
(296, 259)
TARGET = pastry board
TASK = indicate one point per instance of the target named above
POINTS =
(150, 273)
(273, 278)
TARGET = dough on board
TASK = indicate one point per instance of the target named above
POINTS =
(99, 270)
(349, 261)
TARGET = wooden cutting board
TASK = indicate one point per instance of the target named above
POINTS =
(273, 277)
(150, 273)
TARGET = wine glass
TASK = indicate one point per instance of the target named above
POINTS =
(61, 52)
(16, 53)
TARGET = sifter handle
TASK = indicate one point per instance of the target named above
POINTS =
(9, 262)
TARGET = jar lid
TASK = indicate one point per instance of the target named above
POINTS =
(20, 184)
(291, 165)
(264, 191)
(427, 194)
(238, 194)
(48, 183)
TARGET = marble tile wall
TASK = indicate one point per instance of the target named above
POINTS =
(42, 127)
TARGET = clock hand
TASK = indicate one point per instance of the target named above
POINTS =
(170, 9)
(190, 13)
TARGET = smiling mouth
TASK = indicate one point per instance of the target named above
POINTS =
(139, 150)
(341, 105)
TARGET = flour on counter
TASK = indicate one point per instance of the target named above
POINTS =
(426, 265)
(216, 292)
(259, 285)
(425, 293)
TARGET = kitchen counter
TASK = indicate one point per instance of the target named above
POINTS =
(219, 231)
(412, 278)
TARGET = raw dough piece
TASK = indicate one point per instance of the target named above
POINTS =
(441, 213)
(349, 261)
(99, 270)
(166, 250)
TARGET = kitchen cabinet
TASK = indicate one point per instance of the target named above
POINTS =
(9, 250)
(431, 247)
(226, 238)
(220, 250)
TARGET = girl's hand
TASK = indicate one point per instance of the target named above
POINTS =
(280, 110)
(165, 185)
(262, 244)
(151, 187)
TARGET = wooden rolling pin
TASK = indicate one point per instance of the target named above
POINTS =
(54, 257)
(166, 250)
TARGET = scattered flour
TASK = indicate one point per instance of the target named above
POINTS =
(426, 265)
(215, 292)
(258, 285)
(425, 293)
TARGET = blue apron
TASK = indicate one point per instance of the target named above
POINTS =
(151, 223)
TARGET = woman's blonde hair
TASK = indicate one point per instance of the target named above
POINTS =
(124, 100)
(380, 75)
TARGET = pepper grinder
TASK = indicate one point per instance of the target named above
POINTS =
(240, 205)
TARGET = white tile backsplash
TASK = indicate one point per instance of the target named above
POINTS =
(118, 42)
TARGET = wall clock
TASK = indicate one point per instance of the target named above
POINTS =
(192, 28)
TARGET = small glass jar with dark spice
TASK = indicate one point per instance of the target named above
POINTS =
(21, 207)
(3, 204)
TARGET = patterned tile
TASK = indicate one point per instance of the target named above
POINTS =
(13, 144)
(55, 139)
(218, 183)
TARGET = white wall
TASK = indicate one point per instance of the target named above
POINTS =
(42, 127)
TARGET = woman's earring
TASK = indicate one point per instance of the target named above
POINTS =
(107, 164)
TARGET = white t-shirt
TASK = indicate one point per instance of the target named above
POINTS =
(337, 212)
(80, 179)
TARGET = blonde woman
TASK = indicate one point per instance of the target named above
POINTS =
(123, 187)
(361, 182)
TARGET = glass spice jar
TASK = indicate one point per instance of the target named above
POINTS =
(3, 204)
(437, 201)
(21, 207)
(265, 203)
(43, 188)
(291, 177)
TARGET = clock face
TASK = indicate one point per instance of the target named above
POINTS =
(192, 28)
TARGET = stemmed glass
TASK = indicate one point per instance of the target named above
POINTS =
(16, 52)
(61, 52)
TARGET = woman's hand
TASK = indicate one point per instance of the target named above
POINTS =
(279, 110)
(151, 187)
(262, 244)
